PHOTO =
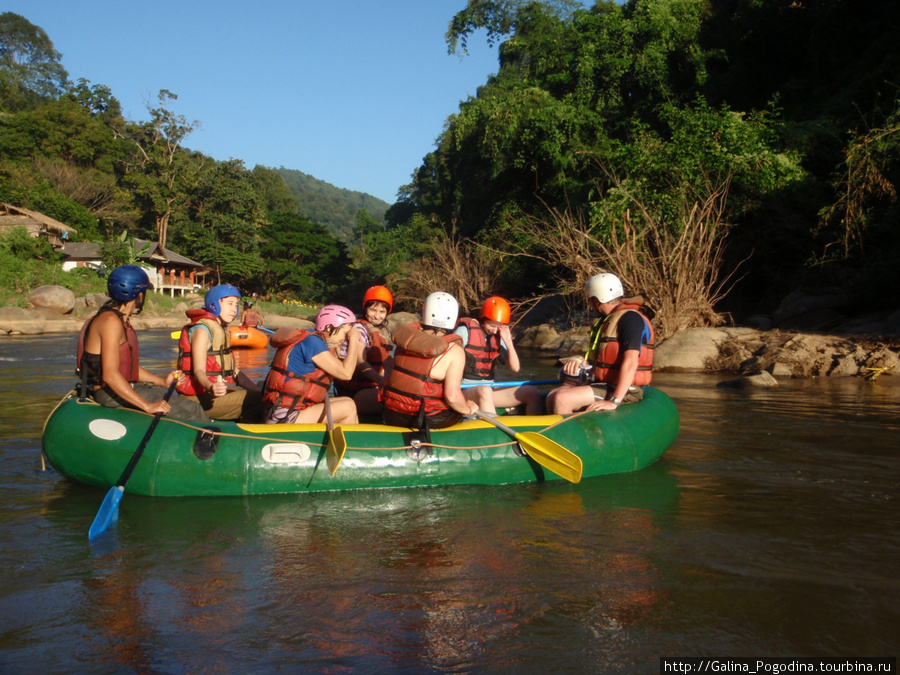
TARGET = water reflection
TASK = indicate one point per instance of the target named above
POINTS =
(768, 528)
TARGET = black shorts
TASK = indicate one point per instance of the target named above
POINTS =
(445, 418)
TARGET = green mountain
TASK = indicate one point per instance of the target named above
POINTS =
(331, 206)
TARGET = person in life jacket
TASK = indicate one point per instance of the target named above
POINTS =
(250, 318)
(488, 341)
(205, 358)
(375, 359)
(108, 357)
(422, 389)
(619, 356)
(306, 363)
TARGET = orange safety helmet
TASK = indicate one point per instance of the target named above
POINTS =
(496, 309)
(381, 294)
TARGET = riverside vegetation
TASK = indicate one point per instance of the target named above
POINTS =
(714, 171)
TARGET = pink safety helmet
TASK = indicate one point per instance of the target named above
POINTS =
(335, 316)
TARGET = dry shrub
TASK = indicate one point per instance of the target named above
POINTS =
(458, 266)
(677, 267)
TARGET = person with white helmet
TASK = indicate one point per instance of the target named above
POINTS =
(423, 388)
(108, 355)
(619, 359)
(211, 376)
(305, 365)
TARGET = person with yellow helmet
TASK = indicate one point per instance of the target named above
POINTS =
(488, 342)
(375, 359)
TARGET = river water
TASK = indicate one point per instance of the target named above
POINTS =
(770, 528)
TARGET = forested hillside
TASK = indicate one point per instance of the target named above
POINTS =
(333, 207)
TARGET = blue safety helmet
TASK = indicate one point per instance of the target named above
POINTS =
(215, 295)
(127, 282)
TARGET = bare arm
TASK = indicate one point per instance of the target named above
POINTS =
(337, 368)
(512, 358)
(453, 395)
(112, 336)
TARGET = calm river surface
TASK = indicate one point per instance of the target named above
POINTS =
(770, 528)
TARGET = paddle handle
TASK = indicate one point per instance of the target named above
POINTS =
(126, 474)
(515, 383)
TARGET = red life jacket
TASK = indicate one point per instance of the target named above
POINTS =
(482, 351)
(409, 387)
(89, 366)
(604, 350)
(285, 389)
(219, 360)
(378, 352)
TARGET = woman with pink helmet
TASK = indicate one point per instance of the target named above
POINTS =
(306, 363)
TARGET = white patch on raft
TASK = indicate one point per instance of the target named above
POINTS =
(285, 453)
(108, 430)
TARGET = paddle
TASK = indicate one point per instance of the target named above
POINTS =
(544, 451)
(337, 444)
(109, 509)
(517, 383)
(176, 334)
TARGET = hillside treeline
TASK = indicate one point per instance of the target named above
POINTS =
(67, 151)
(716, 154)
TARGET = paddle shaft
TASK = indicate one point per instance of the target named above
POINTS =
(516, 383)
(135, 458)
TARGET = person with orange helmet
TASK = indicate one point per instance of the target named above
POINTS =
(488, 341)
(368, 377)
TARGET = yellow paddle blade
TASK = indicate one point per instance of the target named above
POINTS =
(337, 446)
(176, 334)
(551, 455)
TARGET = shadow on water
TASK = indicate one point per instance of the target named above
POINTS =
(769, 528)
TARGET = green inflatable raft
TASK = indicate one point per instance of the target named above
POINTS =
(91, 444)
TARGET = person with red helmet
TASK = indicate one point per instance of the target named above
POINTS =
(305, 365)
(488, 342)
(205, 358)
(108, 358)
(368, 377)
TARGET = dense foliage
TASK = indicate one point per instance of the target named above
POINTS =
(754, 141)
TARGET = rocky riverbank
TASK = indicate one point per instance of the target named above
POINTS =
(864, 346)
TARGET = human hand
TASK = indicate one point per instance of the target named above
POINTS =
(505, 333)
(602, 404)
(157, 408)
(573, 366)
(219, 388)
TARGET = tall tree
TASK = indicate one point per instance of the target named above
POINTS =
(158, 172)
(30, 68)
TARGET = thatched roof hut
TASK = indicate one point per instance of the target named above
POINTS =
(36, 223)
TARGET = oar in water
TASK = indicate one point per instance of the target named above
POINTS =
(337, 444)
(549, 454)
(109, 509)
(517, 383)
(176, 334)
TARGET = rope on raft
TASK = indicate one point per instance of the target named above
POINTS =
(274, 439)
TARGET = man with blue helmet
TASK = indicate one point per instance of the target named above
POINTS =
(205, 358)
(108, 355)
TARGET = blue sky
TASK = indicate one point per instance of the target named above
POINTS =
(353, 92)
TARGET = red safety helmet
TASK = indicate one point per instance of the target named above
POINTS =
(381, 294)
(496, 309)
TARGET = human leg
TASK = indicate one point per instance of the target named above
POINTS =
(511, 397)
(483, 397)
(182, 407)
(367, 402)
(567, 399)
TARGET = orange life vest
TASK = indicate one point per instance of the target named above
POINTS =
(482, 351)
(379, 351)
(219, 360)
(89, 366)
(285, 389)
(409, 388)
(604, 351)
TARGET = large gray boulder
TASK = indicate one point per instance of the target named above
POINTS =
(57, 298)
(689, 351)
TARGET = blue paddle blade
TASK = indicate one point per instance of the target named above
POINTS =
(108, 513)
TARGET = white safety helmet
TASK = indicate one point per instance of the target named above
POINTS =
(440, 311)
(605, 287)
